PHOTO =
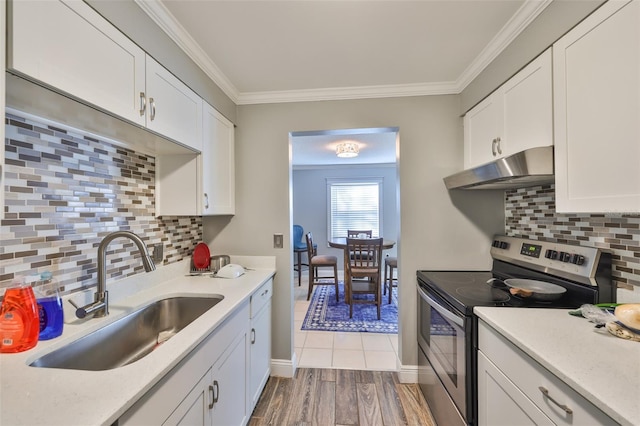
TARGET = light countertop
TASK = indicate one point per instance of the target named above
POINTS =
(45, 396)
(602, 368)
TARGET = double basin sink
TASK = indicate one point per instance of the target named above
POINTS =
(130, 338)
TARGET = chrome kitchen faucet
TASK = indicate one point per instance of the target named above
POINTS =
(100, 305)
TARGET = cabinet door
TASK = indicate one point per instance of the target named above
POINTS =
(500, 402)
(218, 164)
(3, 9)
(260, 353)
(195, 409)
(69, 46)
(528, 105)
(482, 127)
(173, 110)
(596, 71)
(229, 385)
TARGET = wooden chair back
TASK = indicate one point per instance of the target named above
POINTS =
(310, 250)
(366, 257)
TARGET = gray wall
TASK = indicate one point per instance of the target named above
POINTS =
(310, 202)
(438, 229)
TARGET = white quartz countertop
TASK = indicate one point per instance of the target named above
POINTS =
(602, 368)
(46, 396)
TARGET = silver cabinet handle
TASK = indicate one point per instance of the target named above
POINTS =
(493, 147)
(152, 105)
(253, 336)
(498, 145)
(545, 392)
(143, 103)
(206, 201)
(212, 401)
(216, 392)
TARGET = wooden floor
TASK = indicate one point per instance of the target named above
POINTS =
(341, 397)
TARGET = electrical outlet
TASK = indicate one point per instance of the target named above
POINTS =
(278, 241)
(158, 253)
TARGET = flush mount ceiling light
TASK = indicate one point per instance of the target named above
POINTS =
(347, 149)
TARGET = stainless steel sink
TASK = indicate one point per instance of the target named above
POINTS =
(130, 338)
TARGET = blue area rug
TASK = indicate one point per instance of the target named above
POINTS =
(325, 314)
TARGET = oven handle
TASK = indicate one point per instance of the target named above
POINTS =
(442, 311)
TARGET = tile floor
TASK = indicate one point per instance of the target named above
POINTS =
(342, 350)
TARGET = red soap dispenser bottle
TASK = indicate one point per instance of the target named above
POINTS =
(19, 320)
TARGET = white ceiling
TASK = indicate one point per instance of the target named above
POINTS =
(377, 146)
(299, 50)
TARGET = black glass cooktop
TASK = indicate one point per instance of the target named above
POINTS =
(467, 289)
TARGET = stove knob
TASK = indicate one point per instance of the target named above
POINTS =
(564, 256)
(504, 245)
(496, 243)
(551, 254)
(577, 259)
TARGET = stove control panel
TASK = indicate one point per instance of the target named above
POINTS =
(574, 262)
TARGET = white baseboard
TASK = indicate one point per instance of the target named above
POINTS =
(284, 367)
(408, 373)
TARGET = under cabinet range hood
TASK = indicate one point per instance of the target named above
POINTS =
(526, 168)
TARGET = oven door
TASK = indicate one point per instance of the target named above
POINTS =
(441, 336)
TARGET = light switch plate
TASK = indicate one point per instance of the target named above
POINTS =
(278, 241)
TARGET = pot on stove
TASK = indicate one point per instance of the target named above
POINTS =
(533, 289)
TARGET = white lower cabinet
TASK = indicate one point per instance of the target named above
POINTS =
(220, 382)
(260, 342)
(195, 409)
(209, 387)
(500, 402)
(515, 389)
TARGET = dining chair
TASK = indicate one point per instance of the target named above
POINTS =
(299, 247)
(365, 263)
(390, 263)
(316, 262)
(368, 233)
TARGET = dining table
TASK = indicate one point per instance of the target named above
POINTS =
(341, 243)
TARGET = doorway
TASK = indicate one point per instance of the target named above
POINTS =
(314, 164)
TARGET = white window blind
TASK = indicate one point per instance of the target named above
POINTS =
(354, 205)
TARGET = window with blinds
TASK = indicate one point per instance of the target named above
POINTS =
(354, 204)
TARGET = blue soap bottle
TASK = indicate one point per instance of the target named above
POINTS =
(50, 308)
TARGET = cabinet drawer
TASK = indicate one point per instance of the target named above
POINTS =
(529, 377)
(260, 297)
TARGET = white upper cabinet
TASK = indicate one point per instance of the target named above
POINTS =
(172, 108)
(597, 110)
(68, 46)
(218, 159)
(517, 116)
(2, 99)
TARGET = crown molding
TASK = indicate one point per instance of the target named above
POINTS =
(342, 93)
(518, 22)
(165, 20)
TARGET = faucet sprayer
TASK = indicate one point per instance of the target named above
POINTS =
(100, 305)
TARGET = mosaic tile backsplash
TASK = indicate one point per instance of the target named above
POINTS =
(64, 191)
(531, 213)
